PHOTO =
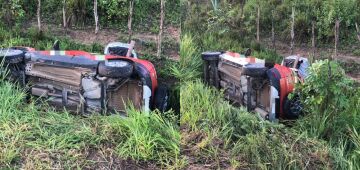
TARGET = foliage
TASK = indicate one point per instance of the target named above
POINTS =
(333, 106)
(214, 132)
(42, 41)
(238, 18)
(356, 52)
(187, 68)
(35, 136)
(112, 13)
(327, 89)
(11, 12)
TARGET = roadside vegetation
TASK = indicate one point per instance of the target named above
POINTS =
(217, 135)
(35, 136)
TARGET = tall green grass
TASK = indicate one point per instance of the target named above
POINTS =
(188, 68)
(35, 136)
(216, 133)
(66, 139)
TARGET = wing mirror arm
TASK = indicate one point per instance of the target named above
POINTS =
(56, 45)
(131, 47)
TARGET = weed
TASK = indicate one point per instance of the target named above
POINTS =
(218, 134)
(356, 52)
(188, 67)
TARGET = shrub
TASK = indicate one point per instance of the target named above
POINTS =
(332, 104)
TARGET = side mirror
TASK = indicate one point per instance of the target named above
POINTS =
(56, 45)
(247, 52)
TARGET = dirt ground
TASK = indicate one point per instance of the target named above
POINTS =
(145, 42)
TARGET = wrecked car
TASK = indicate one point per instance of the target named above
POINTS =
(84, 82)
(259, 86)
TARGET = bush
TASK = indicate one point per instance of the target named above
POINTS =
(332, 103)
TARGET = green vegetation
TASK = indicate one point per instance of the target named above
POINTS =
(236, 20)
(332, 102)
(114, 13)
(43, 41)
(188, 66)
(218, 135)
(34, 136)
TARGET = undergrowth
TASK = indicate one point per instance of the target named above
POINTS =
(42, 41)
(217, 134)
(35, 136)
(332, 103)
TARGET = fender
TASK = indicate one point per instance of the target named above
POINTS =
(283, 81)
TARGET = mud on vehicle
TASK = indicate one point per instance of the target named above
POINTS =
(84, 83)
(259, 86)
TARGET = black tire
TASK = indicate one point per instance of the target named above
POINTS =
(210, 56)
(162, 98)
(23, 49)
(116, 68)
(11, 56)
(292, 108)
(255, 70)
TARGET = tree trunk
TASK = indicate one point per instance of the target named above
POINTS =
(357, 31)
(313, 37)
(162, 16)
(337, 25)
(64, 14)
(273, 32)
(258, 24)
(96, 17)
(131, 10)
(292, 44)
(38, 15)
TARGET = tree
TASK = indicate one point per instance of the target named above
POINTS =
(336, 29)
(313, 37)
(38, 15)
(215, 4)
(64, 14)
(162, 16)
(273, 31)
(357, 31)
(96, 17)
(131, 10)
(258, 23)
(292, 44)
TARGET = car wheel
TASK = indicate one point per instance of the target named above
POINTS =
(162, 98)
(292, 108)
(255, 70)
(11, 56)
(210, 56)
(116, 68)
